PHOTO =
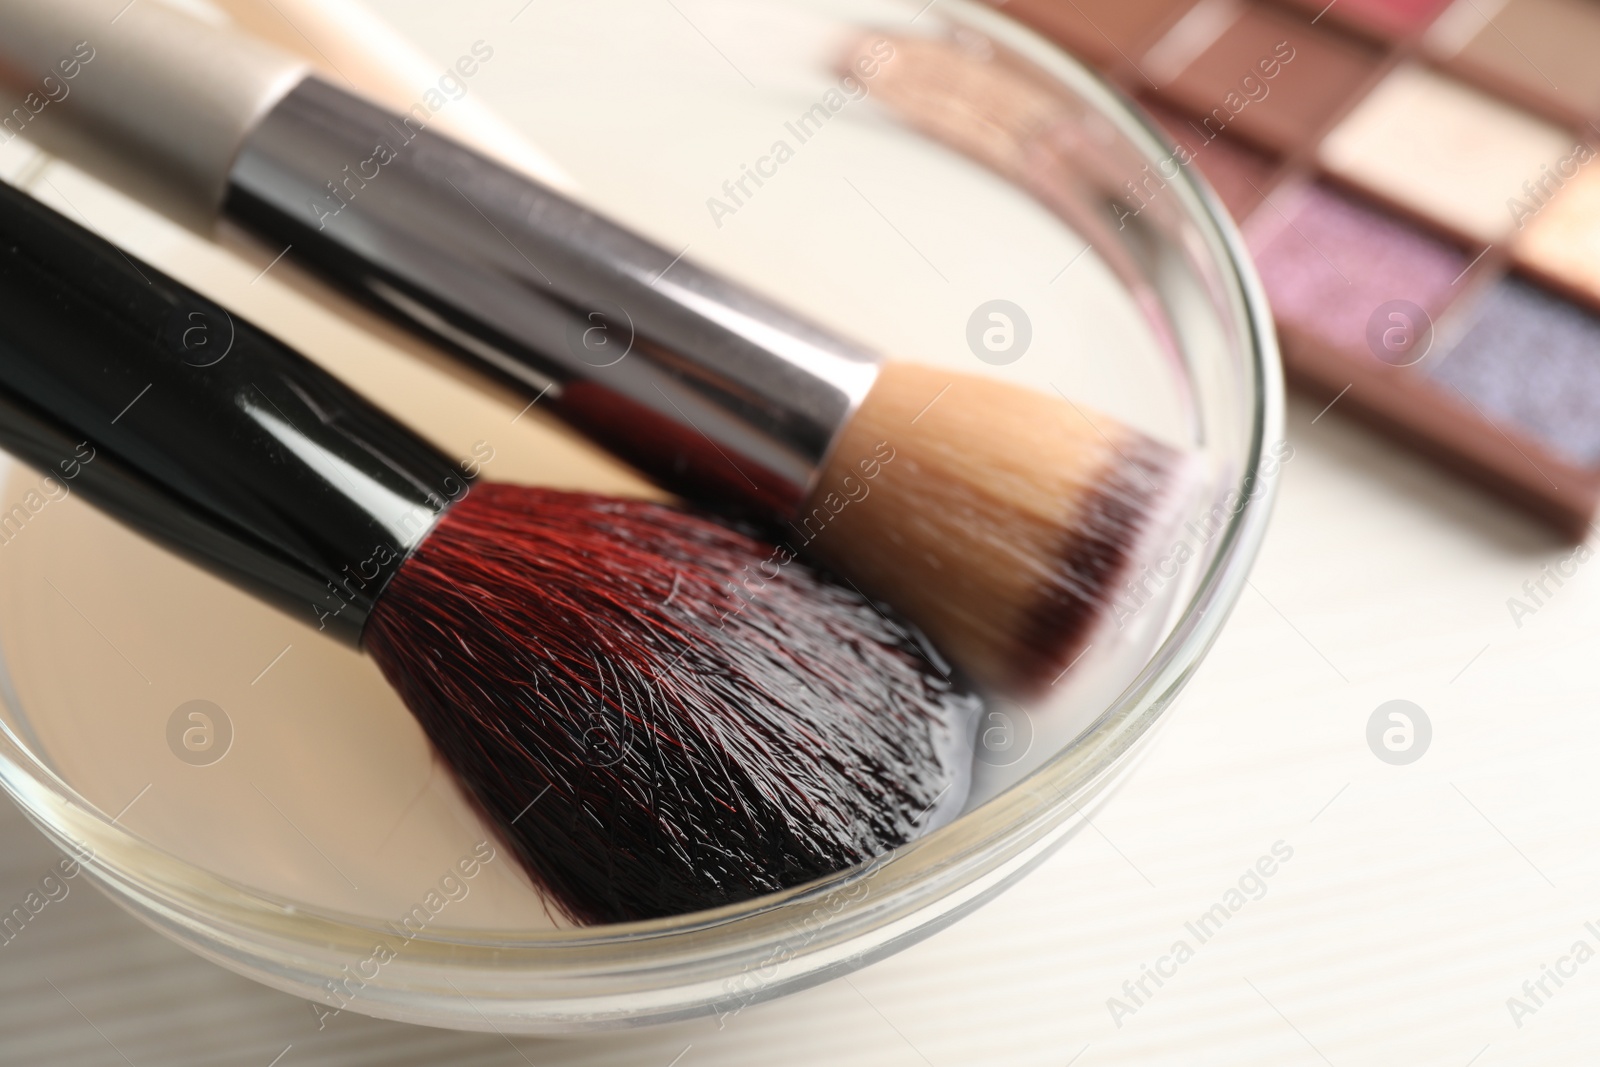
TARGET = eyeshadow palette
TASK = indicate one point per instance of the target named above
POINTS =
(1418, 182)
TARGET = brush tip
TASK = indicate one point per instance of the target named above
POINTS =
(1091, 592)
(1002, 521)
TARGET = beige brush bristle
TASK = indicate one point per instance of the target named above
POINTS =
(1000, 520)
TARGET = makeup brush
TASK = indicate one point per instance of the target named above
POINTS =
(1000, 521)
(659, 713)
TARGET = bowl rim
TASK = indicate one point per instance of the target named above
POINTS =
(709, 962)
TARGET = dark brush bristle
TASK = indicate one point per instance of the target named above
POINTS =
(654, 721)
(1097, 553)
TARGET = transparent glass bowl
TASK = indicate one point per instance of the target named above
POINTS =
(1154, 316)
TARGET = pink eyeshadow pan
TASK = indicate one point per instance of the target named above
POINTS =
(1332, 262)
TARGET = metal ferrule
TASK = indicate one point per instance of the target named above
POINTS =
(702, 384)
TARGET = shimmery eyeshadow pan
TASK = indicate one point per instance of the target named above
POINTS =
(1267, 75)
(1332, 263)
(1532, 359)
(1437, 147)
(1539, 51)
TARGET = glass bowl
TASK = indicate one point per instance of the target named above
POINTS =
(985, 167)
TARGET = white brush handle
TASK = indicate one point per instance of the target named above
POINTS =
(138, 66)
(352, 44)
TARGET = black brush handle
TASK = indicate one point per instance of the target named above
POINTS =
(201, 430)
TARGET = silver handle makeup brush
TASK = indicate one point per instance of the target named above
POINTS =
(691, 378)
(1002, 523)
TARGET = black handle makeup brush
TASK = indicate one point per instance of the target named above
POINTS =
(1002, 521)
(660, 714)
